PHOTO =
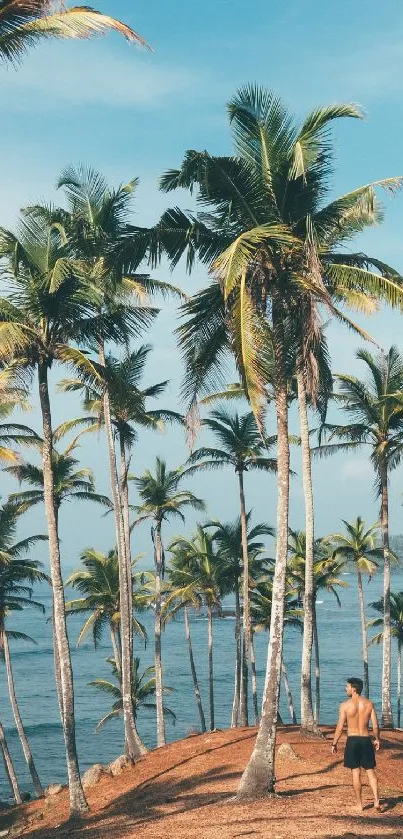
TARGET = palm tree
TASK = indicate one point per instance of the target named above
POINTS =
(228, 538)
(396, 628)
(70, 483)
(24, 22)
(47, 303)
(207, 573)
(98, 584)
(161, 499)
(96, 219)
(17, 576)
(271, 245)
(376, 410)
(9, 767)
(358, 548)
(326, 571)
(261, 603)
(242, 449)
(143, 690)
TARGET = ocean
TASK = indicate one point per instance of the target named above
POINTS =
(340, 650)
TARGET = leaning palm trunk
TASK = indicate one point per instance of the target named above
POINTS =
(132, 741)
(254, 680)
(157, 637)
(238, 659)
(78, 802)
(387, 714)
(363, 633)
(308, 722)
(126, 527)
(194, 674)
(17, 716)
(317, 665)
(245, 603)
(258, 779)
(9, 767)
(288, 694)
(210, 666)
(399, 679)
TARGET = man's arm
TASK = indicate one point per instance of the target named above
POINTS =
(375, 728)
(339, 728)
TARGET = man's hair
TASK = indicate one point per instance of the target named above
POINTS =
(356, 683)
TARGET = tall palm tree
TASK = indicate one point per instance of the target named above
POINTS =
(24, 22)
(358, 548)
(48, 300)
(228, 538)
(70, 483)
(326, 575)
(260, 238)
(161, 499)
(242, 449)
(396, 629)
(17, 576)
(96, 218)
(207, 572)
(376, 410)
(143, 691)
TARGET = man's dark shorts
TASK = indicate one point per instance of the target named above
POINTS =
(359, 751)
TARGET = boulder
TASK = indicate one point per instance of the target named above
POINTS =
(287, 752)
(93, 775)
(53, 789)
(119, 765)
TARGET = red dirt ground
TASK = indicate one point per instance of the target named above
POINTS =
(183, 791)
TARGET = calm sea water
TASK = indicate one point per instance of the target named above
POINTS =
(340, 646)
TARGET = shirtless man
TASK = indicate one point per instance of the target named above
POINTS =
(357, 712)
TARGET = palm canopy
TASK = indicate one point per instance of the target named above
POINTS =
(70, 483)
(24, 22)
(326, 569)
(358, 546)
(241, 444)
(98, 584)
(143, 691)
(197, 570)
(228, 539)
(18, 573)
(396, 617)
(261, 605)
(375, 408)
(267, 234)
(161, 495)
(128, 399)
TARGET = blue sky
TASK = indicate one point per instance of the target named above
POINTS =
(132, 113)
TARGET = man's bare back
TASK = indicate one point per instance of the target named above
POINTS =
(357, 713)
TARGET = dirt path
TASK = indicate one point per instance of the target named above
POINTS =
(183, 791)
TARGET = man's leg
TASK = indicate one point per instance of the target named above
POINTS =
(357, 786)
(373, 782)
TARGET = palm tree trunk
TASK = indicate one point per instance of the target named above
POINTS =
(399, 680)
(132, 745)
(116, 653)
(124, 487)
(387, 714)
(245, 603)
(194, 674)
(363, 634)
(317, 666)
(9, 767)
(210, 666)
(258, 778)
(238, 659)
(78, 802)
(288, 694)
(17, 716)
(56, 662)
(157, 635)
(308, 723)
(254, 681)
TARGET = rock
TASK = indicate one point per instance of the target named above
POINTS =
(286, 751)
(93, 775)
(53, 789)
(119, 765)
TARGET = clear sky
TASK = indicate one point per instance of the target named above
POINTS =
(132, 113)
